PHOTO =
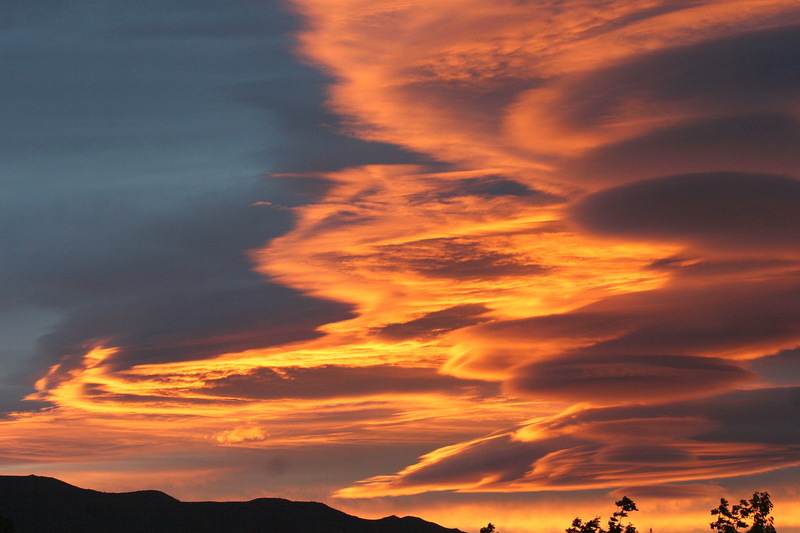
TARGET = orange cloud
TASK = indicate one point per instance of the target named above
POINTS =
(561, 254)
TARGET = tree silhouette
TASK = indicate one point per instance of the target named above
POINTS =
(615, 524)
(626, 505)
(753, 514)
(489, 529)
(592, 526)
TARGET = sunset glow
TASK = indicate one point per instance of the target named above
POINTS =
(561, 264)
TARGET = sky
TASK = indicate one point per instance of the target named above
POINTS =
(473, 261)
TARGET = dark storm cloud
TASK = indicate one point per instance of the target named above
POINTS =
(435, 323)
(752, 143)
(730, 210)
(609, 379)
(331, 381)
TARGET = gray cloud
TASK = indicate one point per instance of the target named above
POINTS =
(704, 320)
(782, 368)
(311, 136)
(752, 143)
(493, 187)
(757, 70)
(609, 379)
(163, 287)
(768, 415)
(730, 210)
(720, 268)
(729, 318)
(193, 323)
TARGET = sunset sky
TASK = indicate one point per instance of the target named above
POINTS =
(469, 260)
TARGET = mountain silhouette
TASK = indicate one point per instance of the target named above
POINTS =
(37, 504)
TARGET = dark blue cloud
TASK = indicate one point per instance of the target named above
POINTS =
(135, 140)
(312, 138)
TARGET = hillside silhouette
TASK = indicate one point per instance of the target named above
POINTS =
(37, 504)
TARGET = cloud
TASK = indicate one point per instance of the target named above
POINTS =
(748, 70)
(725, 210)
(671, 491)
(132, 174)
(738, 320)
(484, 266)
(435, 323)
(330, 381)
(780, 369)
(688, 268)
(458, 258)
(730, 319)
(729, 435)
(241, 434)
(171, 287)
(21, 14)
(492, 186)
(753, 143)
(638, 299)
(312, 137)
(179, 19)
(194, 324)
(609, 379)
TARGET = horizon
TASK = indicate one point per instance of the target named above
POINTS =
(473, 263)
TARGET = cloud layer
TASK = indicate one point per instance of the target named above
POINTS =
(500, 247)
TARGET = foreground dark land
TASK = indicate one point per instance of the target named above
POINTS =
(37, 504)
